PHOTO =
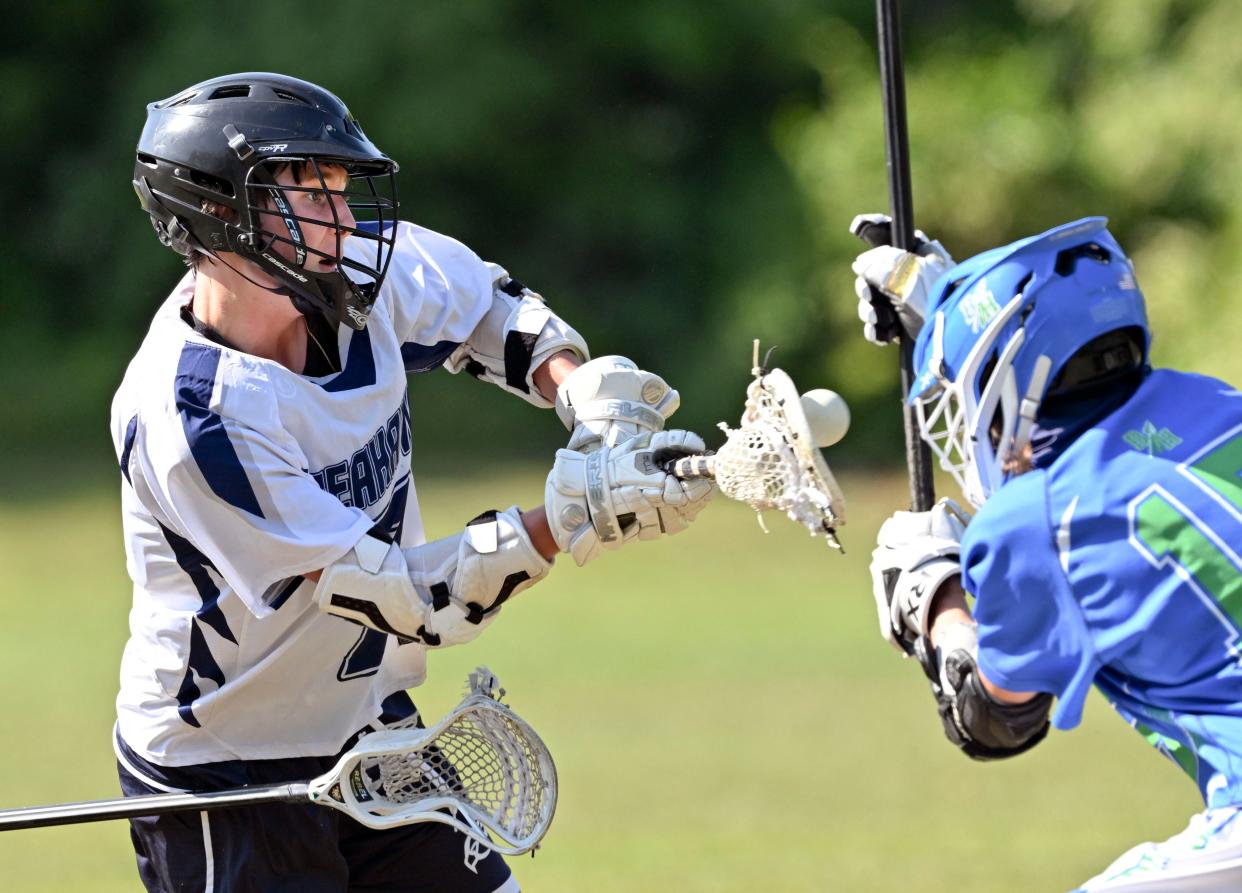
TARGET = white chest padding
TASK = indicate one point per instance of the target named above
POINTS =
(441, 593)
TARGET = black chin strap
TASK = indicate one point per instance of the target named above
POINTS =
(277, 290)
(300, 304)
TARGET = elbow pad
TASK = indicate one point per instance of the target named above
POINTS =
(515, 337)
(442, 593)
(982, 727)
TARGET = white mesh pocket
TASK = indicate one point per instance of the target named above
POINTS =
(483, 759)
(754, 466)
(771, 462)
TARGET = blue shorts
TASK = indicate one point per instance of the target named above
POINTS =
(278, 847)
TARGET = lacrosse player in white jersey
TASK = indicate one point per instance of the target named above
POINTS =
(284, 596)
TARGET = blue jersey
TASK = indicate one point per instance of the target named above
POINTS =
(1118, 565)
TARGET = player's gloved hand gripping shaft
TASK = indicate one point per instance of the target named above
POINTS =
(600, 500)
(915, 553)
(902, 279)
(448, 591)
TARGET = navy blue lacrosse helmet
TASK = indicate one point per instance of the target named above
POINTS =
(1047, 315)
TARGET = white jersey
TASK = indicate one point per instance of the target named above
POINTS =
(242, 475)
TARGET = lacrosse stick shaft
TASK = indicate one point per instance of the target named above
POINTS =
(693, 467)
(149, 805)
(896, 141)
(897, 154)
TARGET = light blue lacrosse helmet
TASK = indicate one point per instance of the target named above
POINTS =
(1000, 330)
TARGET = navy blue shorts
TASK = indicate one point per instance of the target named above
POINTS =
(293, 847)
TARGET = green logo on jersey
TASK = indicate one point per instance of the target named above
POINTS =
(1151, 440)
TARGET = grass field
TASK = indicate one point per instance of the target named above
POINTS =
(723, 713)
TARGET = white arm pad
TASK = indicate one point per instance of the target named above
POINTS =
(515, 337)
(442, 593)
(610, 399)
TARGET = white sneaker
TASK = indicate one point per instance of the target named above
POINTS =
(1207, 856)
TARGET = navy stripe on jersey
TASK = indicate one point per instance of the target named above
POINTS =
(373, 226)
(204, 429)
(364, 658)
(359, 371)
(202, 665)
(195, 564)
(388, 525)
(421, 358)
(283, 592)
(398, 707)
(131, 431)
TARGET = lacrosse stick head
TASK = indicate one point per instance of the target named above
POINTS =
(771, 461)
(482, 770)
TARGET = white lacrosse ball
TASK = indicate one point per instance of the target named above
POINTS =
(827, 415)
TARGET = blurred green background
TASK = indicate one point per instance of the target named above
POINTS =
(676, 178)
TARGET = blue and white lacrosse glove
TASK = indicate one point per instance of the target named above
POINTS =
(902, 279)
(602, 499)
(915, 553)
(609, 400)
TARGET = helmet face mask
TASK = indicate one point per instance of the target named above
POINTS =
(966, 418)
(340, 275)
(208, 172)
(1001, 326)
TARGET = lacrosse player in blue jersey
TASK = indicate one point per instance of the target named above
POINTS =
(1105, 548)
(284, 595)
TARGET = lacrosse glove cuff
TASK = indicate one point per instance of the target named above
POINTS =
(916, 552)
(609, 400)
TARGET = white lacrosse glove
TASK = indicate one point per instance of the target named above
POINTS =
(603, 499)
(904, 279)
(915, 553)
(609, 400)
